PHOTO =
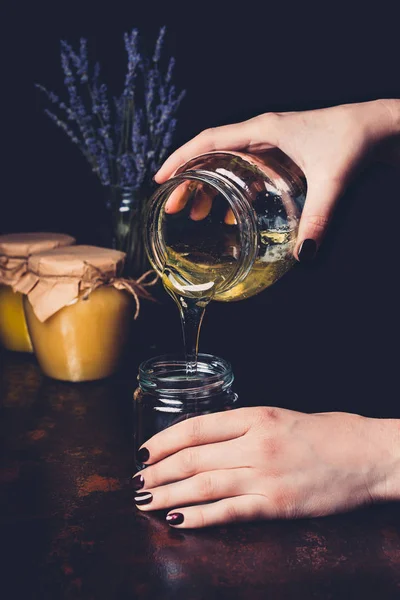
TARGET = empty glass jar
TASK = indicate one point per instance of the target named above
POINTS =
(167, 395)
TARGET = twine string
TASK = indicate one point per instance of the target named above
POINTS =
(137, 287)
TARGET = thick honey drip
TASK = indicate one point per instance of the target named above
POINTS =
(191, 299)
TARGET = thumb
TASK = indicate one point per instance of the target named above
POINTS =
(322, 197)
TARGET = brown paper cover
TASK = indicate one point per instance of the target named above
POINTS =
(56, 278)
(16, 248)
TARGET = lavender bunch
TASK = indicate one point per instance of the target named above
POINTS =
(125, 138)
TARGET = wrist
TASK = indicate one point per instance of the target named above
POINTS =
(381, 119)
(392, 107)
(388, 148)
(387, 460)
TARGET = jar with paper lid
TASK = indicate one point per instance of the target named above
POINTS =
(15, 250)
(79, 310)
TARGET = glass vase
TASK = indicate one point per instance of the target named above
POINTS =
(126, 206)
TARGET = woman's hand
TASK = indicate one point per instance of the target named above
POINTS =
(327, 144)
(266, 463)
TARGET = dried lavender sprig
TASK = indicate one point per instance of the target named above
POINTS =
(101, 107)
(80, 61)
(167, 142)
(104, 168)
(171, 66)
(167, 110)
(158, 113)
(94, 87)
(84, 66)
(134, 59)
(63, 126)
(83, 120)
(150, 85)
(137, 130)
(127, 169)
(51, 95)
(159, 44)
(55, 100)
(101, 110)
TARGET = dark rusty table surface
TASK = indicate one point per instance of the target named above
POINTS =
(69, 528)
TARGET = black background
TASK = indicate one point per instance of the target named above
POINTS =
(324, 337)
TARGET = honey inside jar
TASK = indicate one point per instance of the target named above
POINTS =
(83, 341)
(13, 329)
(77, 311)
(15, 249)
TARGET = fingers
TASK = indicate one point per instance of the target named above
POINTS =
(196, 431)
(228, 510)
(322, 197)
(239, 136)
(204, 487)
(203, 199)
(226, 137)
(192, 461)
(230, 218)
(179, 197)
(201, 205)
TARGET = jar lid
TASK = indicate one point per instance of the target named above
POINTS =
(16, 248)
(22, 245)
(83, 262)
(57, 277)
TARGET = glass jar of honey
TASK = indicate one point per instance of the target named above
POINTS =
(78, 311)
(15, 250)
(166, 394)
(224, 226)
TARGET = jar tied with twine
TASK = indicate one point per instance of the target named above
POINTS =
(15, 250)
(79, 310)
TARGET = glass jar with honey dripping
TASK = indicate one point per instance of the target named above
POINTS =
(223, 228)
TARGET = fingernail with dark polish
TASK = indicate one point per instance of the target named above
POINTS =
(143, 455)
(143, 498)
(137, 482)
(308, 250)
(174, 518)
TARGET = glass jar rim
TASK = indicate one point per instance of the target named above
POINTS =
(238, 203)
(166, 375)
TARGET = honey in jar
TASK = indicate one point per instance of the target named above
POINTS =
(78, 311)
(15, 250)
